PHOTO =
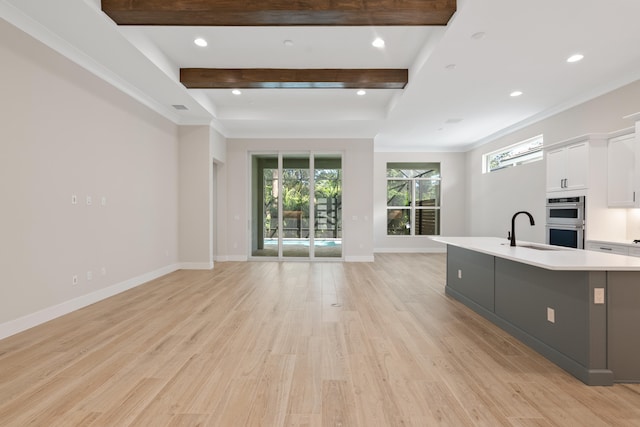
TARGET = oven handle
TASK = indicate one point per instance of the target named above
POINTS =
(564, 205)
(566, 226)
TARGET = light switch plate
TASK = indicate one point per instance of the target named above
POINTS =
(551, 315)
(598, 295)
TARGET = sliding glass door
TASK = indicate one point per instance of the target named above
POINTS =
(327, 204)
(265, 191)
(296, 205)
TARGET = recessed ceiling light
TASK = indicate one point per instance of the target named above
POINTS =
(575, 58)
(288, 43)
(201, 42)
(236, 92)
(451, 67)
(361, 92)
(479, 35)
(515, 93)
(378, 42)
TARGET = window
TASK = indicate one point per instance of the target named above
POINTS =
(517, 154)
(413, 199)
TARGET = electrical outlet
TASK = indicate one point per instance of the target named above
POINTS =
(89, 201)
(103, 201)
(74, 199)
(598, 295)
(459, 274)
(103, 270)
(89, 275)
(74, 280)
(551, 315)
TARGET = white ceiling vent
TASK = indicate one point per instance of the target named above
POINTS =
(180, 107)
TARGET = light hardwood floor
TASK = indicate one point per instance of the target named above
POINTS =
(292, 344)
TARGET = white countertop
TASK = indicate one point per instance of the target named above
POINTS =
(628, 243)
(557, 258)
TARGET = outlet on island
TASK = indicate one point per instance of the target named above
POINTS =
(551, 315)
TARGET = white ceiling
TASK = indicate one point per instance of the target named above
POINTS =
(525, 46)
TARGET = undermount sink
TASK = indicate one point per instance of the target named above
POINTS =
(536, 247)
(540, 248)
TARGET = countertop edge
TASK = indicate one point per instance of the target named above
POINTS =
(565, 259)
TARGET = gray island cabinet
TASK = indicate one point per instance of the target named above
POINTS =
(580, 309)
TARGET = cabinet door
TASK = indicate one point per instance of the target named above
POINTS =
(621, 171)
(556, 169)
(577, 165)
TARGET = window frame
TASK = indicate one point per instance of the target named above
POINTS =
(518, 158)
(412, 206)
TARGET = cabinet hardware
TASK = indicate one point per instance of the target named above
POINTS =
(606, 249)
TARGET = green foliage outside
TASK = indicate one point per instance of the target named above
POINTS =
(295, 189)
(401, 179)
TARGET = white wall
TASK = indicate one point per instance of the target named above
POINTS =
(196, 198)
(66, 132)
(357, 202)
(453, 212)
(219, 219)
(494, 197)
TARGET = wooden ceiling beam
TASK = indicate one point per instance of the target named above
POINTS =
(280, 12)
(275, 78)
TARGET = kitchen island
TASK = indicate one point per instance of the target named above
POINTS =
(580, 309)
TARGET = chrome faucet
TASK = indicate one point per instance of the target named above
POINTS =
(513, 225)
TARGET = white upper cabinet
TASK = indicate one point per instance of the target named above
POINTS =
(568, 167)
(622, 172)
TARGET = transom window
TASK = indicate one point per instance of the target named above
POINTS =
(413, 199)
(523, 152)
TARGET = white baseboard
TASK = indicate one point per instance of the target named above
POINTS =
(366, 258)
(239, 258)
(410, 250)
(221, 258)
(20, 324)
(196, 265)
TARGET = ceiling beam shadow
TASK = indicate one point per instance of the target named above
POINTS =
(279, 12)
(278, 78)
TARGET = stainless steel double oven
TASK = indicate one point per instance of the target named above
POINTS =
(566, 221)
